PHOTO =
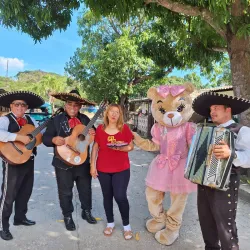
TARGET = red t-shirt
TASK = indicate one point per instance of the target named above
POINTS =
(109, 160)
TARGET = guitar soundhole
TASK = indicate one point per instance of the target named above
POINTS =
(81, 137)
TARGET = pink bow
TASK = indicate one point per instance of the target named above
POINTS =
(164, 90)
(172, 161)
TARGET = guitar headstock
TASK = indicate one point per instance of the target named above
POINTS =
(60, 110)
(103, 105)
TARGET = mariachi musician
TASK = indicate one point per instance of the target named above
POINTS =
(216, 208)
(18, 179)
(67, 174)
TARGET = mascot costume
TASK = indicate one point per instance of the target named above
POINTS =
(171, 136)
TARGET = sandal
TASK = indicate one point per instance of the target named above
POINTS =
(108, 231)
(128, 235)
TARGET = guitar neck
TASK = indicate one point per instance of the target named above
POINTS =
(40, 128)
(92, 121)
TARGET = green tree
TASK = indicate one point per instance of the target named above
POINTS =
(186, 33)
(196, 80)
(36, 17)
(109, 63)
(221, 74)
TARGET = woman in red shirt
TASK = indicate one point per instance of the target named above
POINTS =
(110, 162)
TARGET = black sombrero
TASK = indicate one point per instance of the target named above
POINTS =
(203, 102)
(73, 96)
(33, 100)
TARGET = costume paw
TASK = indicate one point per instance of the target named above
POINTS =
(154, 226)
(167, 237)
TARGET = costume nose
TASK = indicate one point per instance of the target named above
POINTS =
(170, 116)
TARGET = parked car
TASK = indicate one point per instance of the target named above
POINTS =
(42, 113)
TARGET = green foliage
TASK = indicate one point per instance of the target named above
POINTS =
(109, 61)
(33, 76)
(42, 83)
(37, 18)
(220, 74)
(183, 40)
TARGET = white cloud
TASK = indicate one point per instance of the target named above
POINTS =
(13, 63)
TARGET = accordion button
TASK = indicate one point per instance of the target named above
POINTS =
(229, 202)
(228, 223)
(235, 202)
(230, 231)
(230, 218)
(230, 210)
(231, 238)
(235, 182)
(229, 195)
(236, 189)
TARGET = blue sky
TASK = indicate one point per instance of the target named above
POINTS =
(50, 55)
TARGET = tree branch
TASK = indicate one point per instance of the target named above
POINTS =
(111, 22)
(218, 49)
(189, 10)
(140, 79)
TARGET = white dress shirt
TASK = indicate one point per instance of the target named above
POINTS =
(242, 146)
(6, 136)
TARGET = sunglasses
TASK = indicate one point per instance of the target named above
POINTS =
(17, 104)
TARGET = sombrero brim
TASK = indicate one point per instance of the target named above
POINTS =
(72, 97)
(203, 102)
(33, 100)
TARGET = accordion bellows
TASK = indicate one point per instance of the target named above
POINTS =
(202, 166)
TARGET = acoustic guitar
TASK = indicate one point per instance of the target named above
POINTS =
(75, 150)
(15, 152)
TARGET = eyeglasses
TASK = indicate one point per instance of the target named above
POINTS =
(114, 112)
(17, 104)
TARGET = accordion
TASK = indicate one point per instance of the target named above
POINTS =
(202, 166)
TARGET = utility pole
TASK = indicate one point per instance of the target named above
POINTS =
(7, 68)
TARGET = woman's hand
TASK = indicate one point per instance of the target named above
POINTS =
(93, 171)
(127, 148)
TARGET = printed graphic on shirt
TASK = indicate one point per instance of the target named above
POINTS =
(112, 142)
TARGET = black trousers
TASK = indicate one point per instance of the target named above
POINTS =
(17, 187)
(114, 185)
(65, 182)
(217, 213)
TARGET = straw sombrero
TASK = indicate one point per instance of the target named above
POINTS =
(203, 102)
(33, 100)
(73, 96)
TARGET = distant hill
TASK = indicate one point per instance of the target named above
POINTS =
(34, 76)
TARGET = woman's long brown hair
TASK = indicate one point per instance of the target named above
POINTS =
(120, 121)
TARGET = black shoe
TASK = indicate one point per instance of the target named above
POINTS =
(6, 235)
(69, 223)
(86, 215)
(24, 222)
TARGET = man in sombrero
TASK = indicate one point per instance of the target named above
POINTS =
(66, 174)
(18, 180)
(216, 208)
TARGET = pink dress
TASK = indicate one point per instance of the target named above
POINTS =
(166, 172)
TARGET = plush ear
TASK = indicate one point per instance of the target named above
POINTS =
(152, 93)
(189, 87)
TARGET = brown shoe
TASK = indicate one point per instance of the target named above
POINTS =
(108, 231)
(128, 235)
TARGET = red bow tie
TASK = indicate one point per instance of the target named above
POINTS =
(73, 122)
(21, 121)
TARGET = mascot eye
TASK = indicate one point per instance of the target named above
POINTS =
(162, 110)
(180, 108)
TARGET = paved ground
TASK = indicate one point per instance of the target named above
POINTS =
(50, 233)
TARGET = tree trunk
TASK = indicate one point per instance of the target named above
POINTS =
(239, 53)
(124, 105)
